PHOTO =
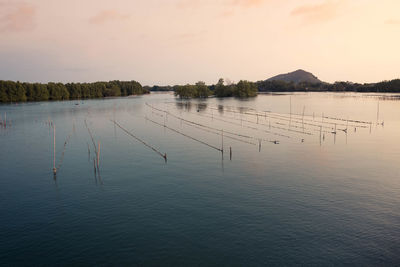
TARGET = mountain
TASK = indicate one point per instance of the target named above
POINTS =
(296, 77)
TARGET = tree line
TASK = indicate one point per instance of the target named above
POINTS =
(20, 92)
(392, 86)
(250, 89)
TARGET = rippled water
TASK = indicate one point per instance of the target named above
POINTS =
(314, 198)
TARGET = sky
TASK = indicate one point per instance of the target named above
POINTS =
(168, 42)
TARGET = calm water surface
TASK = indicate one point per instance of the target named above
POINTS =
(316, 198)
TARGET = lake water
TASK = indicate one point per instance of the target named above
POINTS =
(310, 198)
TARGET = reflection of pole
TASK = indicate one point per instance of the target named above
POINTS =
(54, 149)
(222, 150)
(302, 118)
(98, 155)
(320, 134)
(377, 114)
(290, 121)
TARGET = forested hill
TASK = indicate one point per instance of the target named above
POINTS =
(296, 77)
(19, 92)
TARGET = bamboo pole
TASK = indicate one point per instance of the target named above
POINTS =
(326, 117)
(214, 130)
(252, 122)
(288, 119)
(279, 116)
(249, 127)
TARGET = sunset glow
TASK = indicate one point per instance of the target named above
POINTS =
(183, 41)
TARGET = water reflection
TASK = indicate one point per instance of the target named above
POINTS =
(352, 187)
(201, 106)
(184, 105)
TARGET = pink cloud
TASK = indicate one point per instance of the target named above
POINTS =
(318, 12)
(184, 4)
(248, 3)
(107, 16)
(393, 21)
(223, 3)
(16, 17)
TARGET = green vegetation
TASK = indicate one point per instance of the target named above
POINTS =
(245, 89)
(392, 86)
(19, 92)
(200, 90)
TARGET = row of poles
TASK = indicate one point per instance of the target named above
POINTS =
(227, 134)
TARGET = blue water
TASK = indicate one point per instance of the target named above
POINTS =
(304, 201)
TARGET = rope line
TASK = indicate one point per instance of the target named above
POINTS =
(164, 156)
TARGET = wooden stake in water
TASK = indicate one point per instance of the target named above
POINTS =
(230, 153)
